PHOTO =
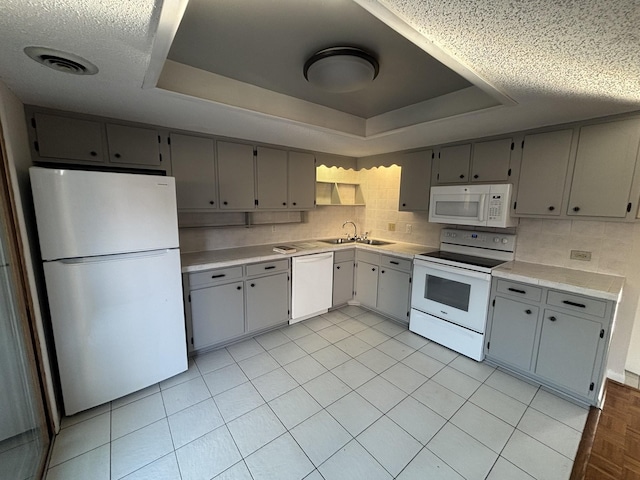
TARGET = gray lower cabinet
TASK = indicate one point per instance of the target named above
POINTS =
(393, 296)
(343, 273)
(367, 284)
(225, 304)
(554, 337)
(217, 314)
(267, 301)
(383, 283)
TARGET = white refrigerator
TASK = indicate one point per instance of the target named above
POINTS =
(109, 245)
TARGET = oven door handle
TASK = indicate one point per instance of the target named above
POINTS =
(481, 212)
(423, 265)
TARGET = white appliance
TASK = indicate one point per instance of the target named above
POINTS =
(109, 244)
(476, 205)
(451, 286)
(312, 285)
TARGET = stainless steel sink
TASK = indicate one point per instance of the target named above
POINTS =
(337, 241)
(371, 241)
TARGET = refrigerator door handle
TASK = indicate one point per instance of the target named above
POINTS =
(117, 256)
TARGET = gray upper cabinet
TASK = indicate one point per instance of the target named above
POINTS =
(133, 145)
(302, 181)
(604, 168)
(543, 171)
(60, 138)
(194, 169)
(415, 181)
(491, 161)
(453, 164)
(271, 174)
(235, 176)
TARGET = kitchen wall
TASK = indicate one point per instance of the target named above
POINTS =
(615, 246)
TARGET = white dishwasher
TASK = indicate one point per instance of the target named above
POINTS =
(312, 285)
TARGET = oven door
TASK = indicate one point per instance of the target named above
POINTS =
(454, 294)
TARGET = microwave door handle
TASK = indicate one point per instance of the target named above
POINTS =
(483, 198)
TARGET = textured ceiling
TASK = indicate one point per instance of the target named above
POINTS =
(558, 60)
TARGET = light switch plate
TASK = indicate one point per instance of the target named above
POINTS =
(581, 255)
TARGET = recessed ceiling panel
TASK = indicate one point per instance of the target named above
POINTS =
(266, 43)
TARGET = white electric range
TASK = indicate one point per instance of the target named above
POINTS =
(451, 287)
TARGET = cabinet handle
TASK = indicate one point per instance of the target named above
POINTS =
(238, 288)
(284, 204)
(225, 203)
(219, 276)
(117, 155)
(404, 204)
(576, 209)
(373, 269)
(294, 203)
(381, 271)
(552, 318)
(211, 202)
(476, 176)
(517, 291)
(93, 154)
(574, 304)
(528, 312)
(461, 176)
(270, 267)
(253, 285)
(393, 262)
(552, 208)
(338, 267)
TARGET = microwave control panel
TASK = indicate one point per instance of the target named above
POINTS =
(496, 204)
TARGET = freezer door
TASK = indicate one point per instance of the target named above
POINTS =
(82, 214)
(118, 324)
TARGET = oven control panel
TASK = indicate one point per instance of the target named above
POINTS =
(474, 238)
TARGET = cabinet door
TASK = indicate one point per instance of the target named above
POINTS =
(267, 301)
(491, 160)
(513, 332)
(192, 159)
(545, 157)
(568, 350)
(69, 138)
(217, 314)
(415, 181)
(342, 282)
(235, 176)
(604, 168)
(367, 284)
(302, 181)
(133, 145)
(453, 164)
(271, 173)
(393, 293)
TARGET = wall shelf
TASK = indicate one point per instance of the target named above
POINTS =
(339, 193)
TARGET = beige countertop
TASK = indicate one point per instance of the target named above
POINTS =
(198, 261)
(599, 285)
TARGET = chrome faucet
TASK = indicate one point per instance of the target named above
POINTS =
(355, 229)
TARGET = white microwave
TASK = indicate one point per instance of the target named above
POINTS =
(477, 205)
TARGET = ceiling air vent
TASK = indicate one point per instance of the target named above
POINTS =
(61, 61)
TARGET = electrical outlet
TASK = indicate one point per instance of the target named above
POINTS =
(273, 228)
(408, 228)
(392, 227)
(580, 255)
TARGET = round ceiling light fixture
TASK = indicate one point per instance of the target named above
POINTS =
(341, 69)
(61, 61)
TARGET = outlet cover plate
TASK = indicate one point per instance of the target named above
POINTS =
(581, 255)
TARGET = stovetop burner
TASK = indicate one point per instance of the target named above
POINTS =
(464, 259)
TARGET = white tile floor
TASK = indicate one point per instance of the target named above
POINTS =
(348, 395)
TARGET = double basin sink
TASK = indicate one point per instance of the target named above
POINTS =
(366, 241)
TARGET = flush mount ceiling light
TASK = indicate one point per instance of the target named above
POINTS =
(61, 61)
(341, 69)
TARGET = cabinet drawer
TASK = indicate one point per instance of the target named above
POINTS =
(398, 263)
(520, 290)
(369, 257)
(210, 277)
(577, 303)
(267, 267)
(344, 255)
